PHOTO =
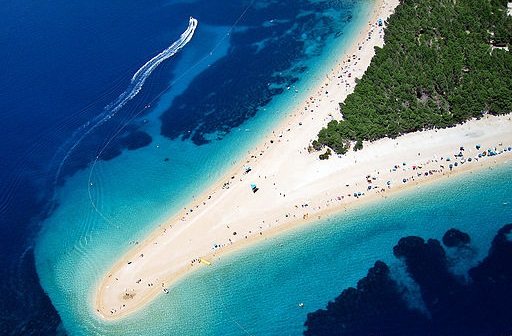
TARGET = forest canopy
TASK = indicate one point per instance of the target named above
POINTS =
(443, 62)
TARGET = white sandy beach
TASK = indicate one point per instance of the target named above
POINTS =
(294, 186)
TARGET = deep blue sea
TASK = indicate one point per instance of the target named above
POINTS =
(115, 114)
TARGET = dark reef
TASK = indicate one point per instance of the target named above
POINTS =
(452, 306)
(260, 64)
(129, 140)
(130, 137)
(456, 238)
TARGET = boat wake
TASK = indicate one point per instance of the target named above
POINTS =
(143, 73)
(136, 83)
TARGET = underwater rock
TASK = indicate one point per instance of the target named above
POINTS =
(379, 306)
(456, 238)
(376, 305)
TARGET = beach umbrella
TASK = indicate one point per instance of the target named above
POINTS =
(478, 146)
(388, 182)
(404, 180)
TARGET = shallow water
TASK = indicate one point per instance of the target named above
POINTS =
(258, 290)
(108, 195)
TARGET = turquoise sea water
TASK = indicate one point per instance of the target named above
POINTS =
(105, 205)
(258, 290)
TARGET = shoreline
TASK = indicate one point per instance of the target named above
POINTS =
(350, 201)
(334, 211)
(285, 173)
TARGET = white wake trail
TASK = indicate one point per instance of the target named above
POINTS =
(143, 73)
(136, 83)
